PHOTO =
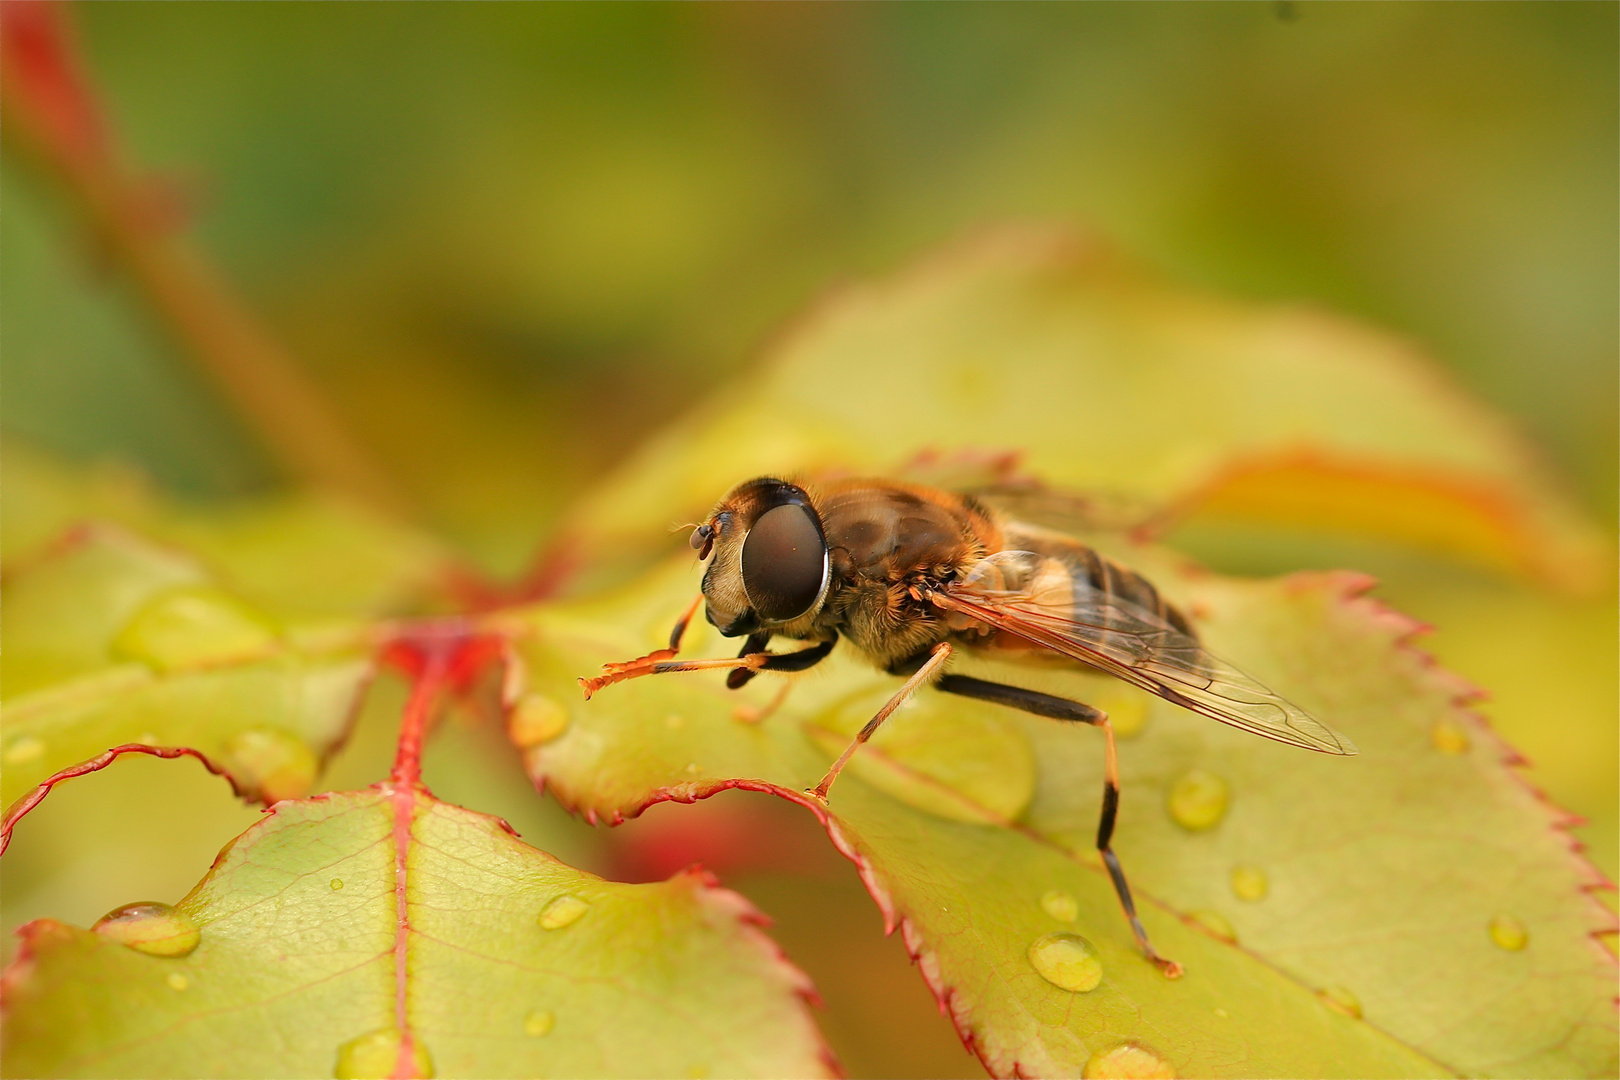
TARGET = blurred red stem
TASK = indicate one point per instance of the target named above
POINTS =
(51, 114)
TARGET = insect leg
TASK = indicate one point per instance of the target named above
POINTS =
(753, 662)
(629, 669)
(936, 660)
(1058, 708)
(756, 643)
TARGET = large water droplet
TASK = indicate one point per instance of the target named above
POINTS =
(191, 625)
(1343, 1000)
(23, 749)
(1216, 924)
(374, 1055)
(563, 911)
(1250, 883)
(539, 1022)
(275, 763)
(534, 720)
(1509, 933)
(1127, 710)
(336, 883)
(1197, 800)
(1448, 737)
(1130, 1061)
(1060, 905)
(149, 927)
(176, 980)
(1067, 961)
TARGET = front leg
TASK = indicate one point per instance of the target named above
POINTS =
(658, 663)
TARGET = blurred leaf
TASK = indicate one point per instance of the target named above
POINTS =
(1364, 932)
(284, 961)
(1106, 379)
(112, 641)
(303, 556)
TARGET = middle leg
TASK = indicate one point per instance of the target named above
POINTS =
(1058, 708)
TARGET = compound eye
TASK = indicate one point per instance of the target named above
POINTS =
(783, 563)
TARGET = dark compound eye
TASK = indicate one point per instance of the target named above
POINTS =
(783, 563)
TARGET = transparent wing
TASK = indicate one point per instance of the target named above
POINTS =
(1033, 597)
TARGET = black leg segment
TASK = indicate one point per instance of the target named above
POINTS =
(1058, 708)
(755, 642)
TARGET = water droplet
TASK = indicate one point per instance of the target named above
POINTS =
(1130, 1061)
(152, 928)
(1448, 738)
(1250, 883)
(1067, 961)
(374, 1055)
(1223, 1014)
(1197, 800)
(674, 721)
(1342, 1000)
(336, 883)
(176, 980)
(1509, 933)
(534, 720)
(1060, 905)
(565, 910)
(539, 1022)
(24, 749)
(275, 763)
(1216, 924)
(1127, 711)
(191, 625)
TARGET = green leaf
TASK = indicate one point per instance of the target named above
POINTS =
(1105, 379)
(112, 641)
(290, 959)
(297, 557)
(1336, 916)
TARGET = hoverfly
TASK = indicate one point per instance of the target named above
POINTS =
(910, 574)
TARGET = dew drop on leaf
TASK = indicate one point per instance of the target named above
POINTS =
(539, 1022)
(275, 763)
(1250, 883)
(1130, 1061)
(1342, 1000)
(1127, 712)
(336, 883)
(149, 927)
(192, 625)
(177, 981)
(534, 720)
(1197, 800)
(1067, 961)
(1216, 924)
(22, 750)
(1509, 933)
(1060, 905)
(374, 1055)
(1448, 737)
(562, 911)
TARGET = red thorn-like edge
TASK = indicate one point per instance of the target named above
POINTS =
(751, 923)
(1352, 590)
(19, 809)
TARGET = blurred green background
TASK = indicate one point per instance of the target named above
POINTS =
(508, 240)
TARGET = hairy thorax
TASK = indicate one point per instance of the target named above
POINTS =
(885, 540)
